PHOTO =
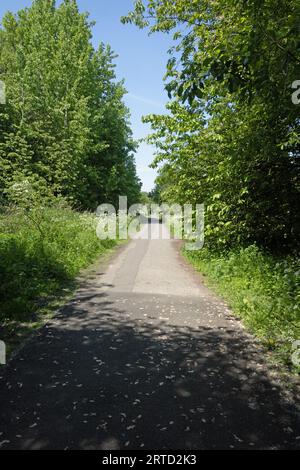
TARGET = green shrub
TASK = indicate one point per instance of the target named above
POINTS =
(40, 250)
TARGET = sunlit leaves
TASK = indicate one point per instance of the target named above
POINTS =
(65, 120)
(232, 137)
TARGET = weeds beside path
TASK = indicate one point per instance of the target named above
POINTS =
(39, 261)
(262, 290)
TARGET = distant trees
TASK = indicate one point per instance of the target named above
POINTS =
(155, 194)
(231, 139)
(64, 124)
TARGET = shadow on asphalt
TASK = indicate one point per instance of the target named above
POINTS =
(108, 373)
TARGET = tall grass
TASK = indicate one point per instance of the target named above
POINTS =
(41, 251)
(261, 289)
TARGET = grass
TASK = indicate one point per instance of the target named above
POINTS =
(41, 253)
(262, 290)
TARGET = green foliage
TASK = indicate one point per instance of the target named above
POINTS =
(231, 138)
(263, 291)
(32, 267)
(155, 194)
(145, 199)
(64, 122)
(28, 193)
(65, 141)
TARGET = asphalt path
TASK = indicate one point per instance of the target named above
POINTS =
(145, 357)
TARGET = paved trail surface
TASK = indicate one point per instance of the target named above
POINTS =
(144, 357)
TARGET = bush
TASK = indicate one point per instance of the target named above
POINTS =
(40, 250)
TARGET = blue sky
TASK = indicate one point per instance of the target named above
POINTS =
(141, 62)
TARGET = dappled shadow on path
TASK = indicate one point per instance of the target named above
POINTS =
(125, 372)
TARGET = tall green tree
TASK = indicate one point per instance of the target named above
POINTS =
(65, 122)
(232, 137)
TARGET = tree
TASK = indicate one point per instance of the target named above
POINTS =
(65, 121)
(232, 137)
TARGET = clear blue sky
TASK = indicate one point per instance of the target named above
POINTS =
(141, 62)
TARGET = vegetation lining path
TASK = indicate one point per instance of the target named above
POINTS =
(137, 360)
